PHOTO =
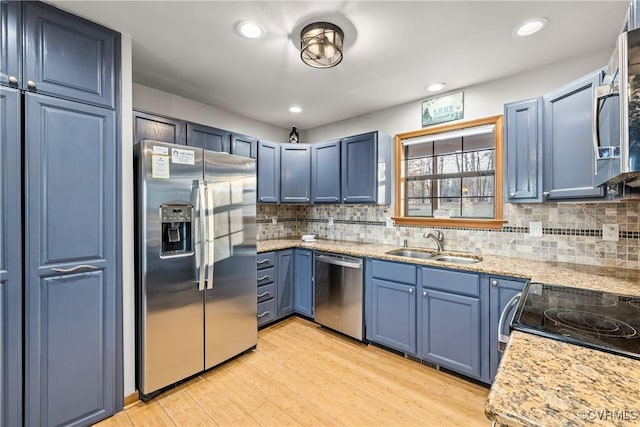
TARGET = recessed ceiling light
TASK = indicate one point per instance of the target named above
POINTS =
(295, 109)
(249, 29)
(436, 87)
(530, 27)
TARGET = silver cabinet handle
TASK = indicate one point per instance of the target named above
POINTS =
(263, 314)
(344, 200)
(264, 294)
(410, 290)
(512, 195)
(494, 282)
(262, 261)
(504, 339)
(424, 293)
(13, 80)
(76, 268)
(546, 194)
(261, 199)
(260, 279)
(336, 198)
(31, 84)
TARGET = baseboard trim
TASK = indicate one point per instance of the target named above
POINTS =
(131, 399)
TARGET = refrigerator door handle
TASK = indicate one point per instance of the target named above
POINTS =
(210, 236)
(201, 246)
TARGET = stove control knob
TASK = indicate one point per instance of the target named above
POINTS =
(494, 282)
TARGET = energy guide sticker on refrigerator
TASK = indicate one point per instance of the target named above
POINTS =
(196, 235)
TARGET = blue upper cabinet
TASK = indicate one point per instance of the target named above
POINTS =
(10, 44)
(245, 146)
(10, 259)
(67, 56)
(366, 168)
(295, 173)
(569, 156)
(523, 151)
(70, 262)
(207, 137)
(303, 273)
(325, 172)
(268, 172)
(158, 128)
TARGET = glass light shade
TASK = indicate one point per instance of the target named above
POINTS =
(321, 45)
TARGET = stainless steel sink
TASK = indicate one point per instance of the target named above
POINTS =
(412, 253)
(456, 259)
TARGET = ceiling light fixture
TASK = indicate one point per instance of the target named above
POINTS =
(295, 109)
(530, 27)
(249, 29)
(436, 87)
(321, 45)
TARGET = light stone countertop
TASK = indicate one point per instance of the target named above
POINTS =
(540, 382)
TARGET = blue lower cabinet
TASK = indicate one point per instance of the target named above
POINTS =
(266, 311)
(303, 273)
(449, 330)
(392, 315)
(284, 282)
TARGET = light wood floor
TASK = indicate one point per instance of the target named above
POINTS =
(302, 374)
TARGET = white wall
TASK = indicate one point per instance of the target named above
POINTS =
(479, 101)
(168, 104)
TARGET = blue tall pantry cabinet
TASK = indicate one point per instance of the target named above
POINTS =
(62, 365)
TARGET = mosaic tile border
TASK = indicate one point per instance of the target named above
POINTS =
(268, 220)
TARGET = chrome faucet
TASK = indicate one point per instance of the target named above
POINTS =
(437, 237)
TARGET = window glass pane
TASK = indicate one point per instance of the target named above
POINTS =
(419, 150)
(420, 166)
(419, 207)
(479, 161)
(449, 187)
(449, 204)
(480, 186)
(447, 146)
(477, 207)
(451, 163)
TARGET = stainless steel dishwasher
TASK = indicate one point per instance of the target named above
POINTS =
(338, 293)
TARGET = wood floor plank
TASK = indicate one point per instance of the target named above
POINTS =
(303, 374)
(121, 419)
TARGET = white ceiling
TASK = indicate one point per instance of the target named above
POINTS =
(190, 49)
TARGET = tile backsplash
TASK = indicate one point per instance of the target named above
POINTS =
(571, 232)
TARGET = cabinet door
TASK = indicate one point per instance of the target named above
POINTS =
(359, 168)
(268, 172)
(70, 262)
(500, 293)
(523, 144)
(303, 273)
(569, 165)
(295, 173)
(449, 331)
(158, 128)
(207, 137)
(284, 283)
(10, 43)
(67, 56)
(393, 315)
(325, 172)
(242, 145)
(10, 259)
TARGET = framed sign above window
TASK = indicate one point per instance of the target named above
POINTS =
(443, 109)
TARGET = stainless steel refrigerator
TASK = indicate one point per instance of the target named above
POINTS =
(196, 258)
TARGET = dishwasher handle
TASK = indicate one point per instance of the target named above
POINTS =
(341, 261)
(504, 339)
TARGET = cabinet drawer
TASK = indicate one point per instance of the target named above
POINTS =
(266, 260)
(266, 275)
(266, 292)
(394, 271)
(266, 311)
(451, 281)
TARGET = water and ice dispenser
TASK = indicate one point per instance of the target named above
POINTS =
(176, 220)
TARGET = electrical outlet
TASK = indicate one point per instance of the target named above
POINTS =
(330, 220)
(274, 220)
(535, 228)
(389, 223)
(610, 232)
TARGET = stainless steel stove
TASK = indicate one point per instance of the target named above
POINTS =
(600, 320)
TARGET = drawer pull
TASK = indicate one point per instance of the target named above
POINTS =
(263, 314)
(410, 290)
(263, 261)
(264, 294)
(76, 268)
(494, 282)
(260, 279)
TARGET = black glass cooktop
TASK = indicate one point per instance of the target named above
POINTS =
(601, 320)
